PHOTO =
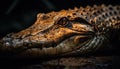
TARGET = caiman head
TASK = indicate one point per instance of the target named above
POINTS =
(56, 34)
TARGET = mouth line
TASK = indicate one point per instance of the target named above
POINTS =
(48, 45)
(60, 40)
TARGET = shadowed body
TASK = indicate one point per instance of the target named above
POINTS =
(74, 31)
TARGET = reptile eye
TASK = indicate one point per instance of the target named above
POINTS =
(63, 21)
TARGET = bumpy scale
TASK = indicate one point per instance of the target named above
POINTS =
(74, 31)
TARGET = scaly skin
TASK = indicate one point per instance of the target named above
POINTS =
(74, 31)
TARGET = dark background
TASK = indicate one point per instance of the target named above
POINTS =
(16, 15)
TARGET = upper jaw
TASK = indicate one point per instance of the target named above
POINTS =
(52, 36)
(55, 37)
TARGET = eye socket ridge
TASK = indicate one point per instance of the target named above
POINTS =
(81, 20)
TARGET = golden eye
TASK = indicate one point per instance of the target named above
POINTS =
(63, 21)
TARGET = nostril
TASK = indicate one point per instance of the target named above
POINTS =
(7, 41)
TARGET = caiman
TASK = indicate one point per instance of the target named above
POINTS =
(73, 31)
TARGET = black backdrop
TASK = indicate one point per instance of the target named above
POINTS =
(16, 15)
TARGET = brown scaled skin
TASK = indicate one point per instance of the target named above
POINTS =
(80, 30)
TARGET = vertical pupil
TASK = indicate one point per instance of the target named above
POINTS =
(63, 21)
